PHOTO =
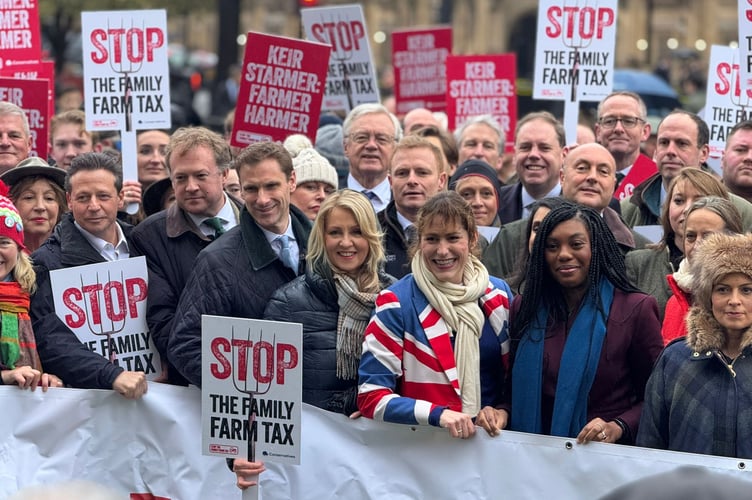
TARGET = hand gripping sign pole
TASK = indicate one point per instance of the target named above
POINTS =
(244, 387)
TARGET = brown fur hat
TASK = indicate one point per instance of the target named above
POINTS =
(718, 255)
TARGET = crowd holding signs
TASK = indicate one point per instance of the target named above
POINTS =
(251, 404)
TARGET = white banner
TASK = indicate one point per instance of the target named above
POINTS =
(105, 306)
(745, 43)
(153, 445)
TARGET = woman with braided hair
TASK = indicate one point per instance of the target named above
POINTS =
(585, 337)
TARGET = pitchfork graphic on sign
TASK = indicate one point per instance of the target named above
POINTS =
(125, 67)
(251, 388)
(116, 320)
(342, 42)
(738, 94)
(572, 38)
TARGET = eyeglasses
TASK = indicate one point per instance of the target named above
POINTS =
(363, 138)
(626, 121)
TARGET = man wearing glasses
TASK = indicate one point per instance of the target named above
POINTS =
(370, 135)
(622, 125)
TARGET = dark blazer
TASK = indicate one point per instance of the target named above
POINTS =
(170, 241)
(234, 276)
(59, 349)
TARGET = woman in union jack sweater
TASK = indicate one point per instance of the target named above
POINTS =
(435, 351)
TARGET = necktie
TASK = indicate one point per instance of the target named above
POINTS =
(619, 178)
(411, 233)
(371, 195)
(285, 255)
(216, 224)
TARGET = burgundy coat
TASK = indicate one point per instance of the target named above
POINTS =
(632, 345)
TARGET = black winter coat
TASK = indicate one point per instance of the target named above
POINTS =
(312, 301)
(395, 242)
(234, 276)
(59, 349)
(170, 242)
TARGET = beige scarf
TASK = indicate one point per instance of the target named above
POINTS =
(459, 308)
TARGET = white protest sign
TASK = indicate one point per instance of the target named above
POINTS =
(105, 306)
(351, 79)
(126, 76)
(745, 42)
(726, 103)
(251, 388)
(574, 54)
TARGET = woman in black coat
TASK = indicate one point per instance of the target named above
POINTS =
(335, 298)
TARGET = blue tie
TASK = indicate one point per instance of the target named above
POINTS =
(285, 255)
(371, 195)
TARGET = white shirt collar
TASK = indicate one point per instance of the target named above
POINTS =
(270, 236)
(527, 198)
(107, 250)
(383, 192)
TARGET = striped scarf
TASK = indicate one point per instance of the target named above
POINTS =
(17, 344)
(355, 308)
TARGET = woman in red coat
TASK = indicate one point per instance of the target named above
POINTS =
(705, 216)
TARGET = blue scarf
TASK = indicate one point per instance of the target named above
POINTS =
(579, 362)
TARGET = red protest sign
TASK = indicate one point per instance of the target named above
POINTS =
(280, 89)
(20, 38)
(43, 70)
(31, 96)
(419, 61)
(482, 85)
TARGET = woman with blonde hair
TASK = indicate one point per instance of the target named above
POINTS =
(335, 298)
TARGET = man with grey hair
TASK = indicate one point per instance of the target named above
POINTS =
(15, 136)
(481, 138)
(370, 133)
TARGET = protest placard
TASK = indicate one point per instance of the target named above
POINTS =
(419, 62)
(31, 96)
(351, 78)
(20, 37)
(126, 76)
(251, 388)
(726, 102)
(745, 42)
(482, 85)
(574, 57)
(281, 87)
(42, 70)
(104, 305)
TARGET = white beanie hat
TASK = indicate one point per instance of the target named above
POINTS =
(310, 166)
(295, 143)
